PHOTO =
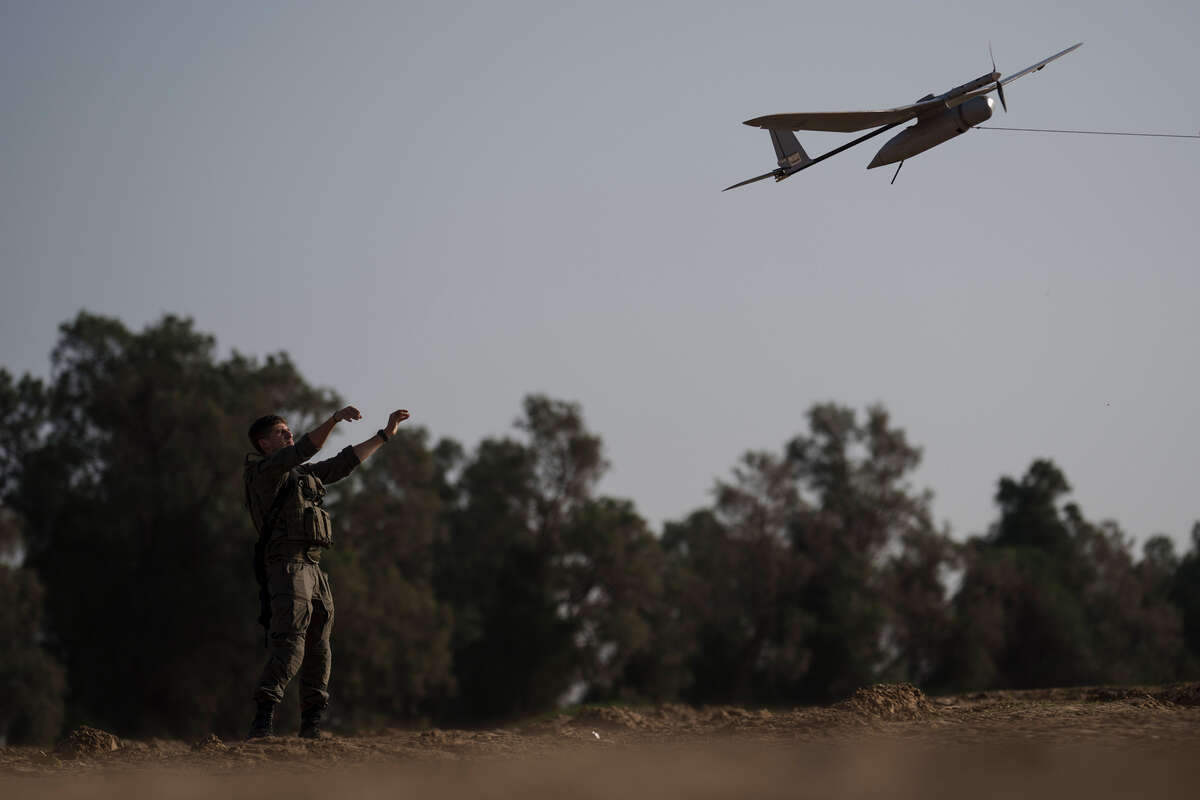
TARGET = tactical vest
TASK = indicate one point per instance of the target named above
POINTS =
(297, 513)
(304, 518)
(297, 508)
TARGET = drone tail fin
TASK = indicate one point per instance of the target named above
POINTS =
(790, 154)
(788, 151)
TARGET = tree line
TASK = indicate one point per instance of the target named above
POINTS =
(474, 586)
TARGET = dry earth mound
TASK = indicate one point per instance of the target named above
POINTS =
(210, 744)
(1131, 696)
(888, 701)
(613, 718)
(1180, 694)
(87, 741)
(668, 717)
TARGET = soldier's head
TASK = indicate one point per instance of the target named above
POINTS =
(269, 434)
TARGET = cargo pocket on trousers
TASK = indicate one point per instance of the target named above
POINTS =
(290, 616)
(291, 608)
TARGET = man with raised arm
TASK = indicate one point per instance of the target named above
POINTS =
(285, 498)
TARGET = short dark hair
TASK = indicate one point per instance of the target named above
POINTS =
(261, 427)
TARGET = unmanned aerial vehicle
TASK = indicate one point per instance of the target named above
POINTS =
(939, 119)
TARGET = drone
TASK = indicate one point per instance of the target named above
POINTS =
(939, 119)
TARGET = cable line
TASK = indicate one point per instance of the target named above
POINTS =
(1096, 133)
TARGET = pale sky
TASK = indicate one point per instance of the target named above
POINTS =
(446, 206)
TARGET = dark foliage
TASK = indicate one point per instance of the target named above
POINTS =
(1051, 599)
(482, 585)
(33, 681)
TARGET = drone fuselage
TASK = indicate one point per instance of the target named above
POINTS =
(934, 130)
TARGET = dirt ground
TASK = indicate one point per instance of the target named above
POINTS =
(886, 741)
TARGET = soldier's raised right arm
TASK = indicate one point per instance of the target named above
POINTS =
(306, 447)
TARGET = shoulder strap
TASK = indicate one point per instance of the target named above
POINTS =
(260, 552)
(268, 519)
(268, 522)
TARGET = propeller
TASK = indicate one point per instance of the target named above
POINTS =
(999, 85)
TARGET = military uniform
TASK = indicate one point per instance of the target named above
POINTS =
(301, 601)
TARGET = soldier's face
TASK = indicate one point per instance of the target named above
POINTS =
(279, 437)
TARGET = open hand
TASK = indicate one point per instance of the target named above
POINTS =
(393, 423)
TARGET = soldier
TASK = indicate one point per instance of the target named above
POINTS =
(284, 496)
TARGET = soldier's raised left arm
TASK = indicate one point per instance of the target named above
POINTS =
(334, 469)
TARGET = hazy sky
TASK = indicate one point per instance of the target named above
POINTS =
(445, 206)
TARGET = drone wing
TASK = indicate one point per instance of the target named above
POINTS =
(1040, 64)
(1015, 75)
(846, 121)
(842, 121)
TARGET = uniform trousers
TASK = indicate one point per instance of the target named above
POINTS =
(301, 623)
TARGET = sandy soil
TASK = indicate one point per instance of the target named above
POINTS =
(887, 741)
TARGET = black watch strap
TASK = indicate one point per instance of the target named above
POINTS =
(380, 433)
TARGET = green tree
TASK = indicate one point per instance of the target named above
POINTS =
(742, 594)
(1184, 595)
(918, 625)
(549, 585)
(126, 469)
(790, 577)
(610, 585)
(862, 508)
(511, 649)
(33, 680)
(1049, 598)
(1016, 625)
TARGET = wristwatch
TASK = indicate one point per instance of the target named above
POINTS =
(382, 435)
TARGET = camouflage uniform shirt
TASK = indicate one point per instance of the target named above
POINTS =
(265, 476)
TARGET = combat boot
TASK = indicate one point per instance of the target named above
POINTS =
(310, 723)
(263, 725)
